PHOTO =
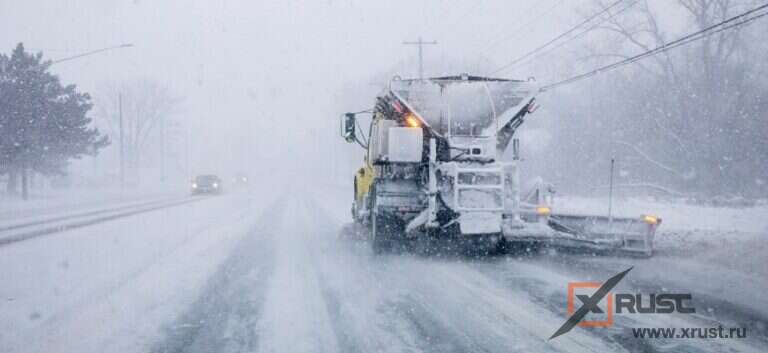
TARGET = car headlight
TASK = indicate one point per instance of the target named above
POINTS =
(215, 185)
(194, 185)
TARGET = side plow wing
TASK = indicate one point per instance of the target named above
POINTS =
(601, 233)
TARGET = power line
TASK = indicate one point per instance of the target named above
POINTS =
(706, 32)
(582, 33)
(589, 19)
(700, 35)
(91, 53)
(515, 33)
(469, 12)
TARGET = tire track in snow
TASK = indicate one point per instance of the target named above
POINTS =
(553, 273)
(420, 290)
(362, 317)
(295, 316)
(224, 317)
(484, 315)
(375, 313)
(445, 306)
(68, 223)
(76, 315)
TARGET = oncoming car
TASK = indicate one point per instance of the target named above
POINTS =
(206, 184)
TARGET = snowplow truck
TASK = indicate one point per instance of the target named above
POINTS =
(433, 168)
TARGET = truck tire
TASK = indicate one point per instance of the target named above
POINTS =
(387, 230)
(381, 234)
(388, 234)
(380, 242)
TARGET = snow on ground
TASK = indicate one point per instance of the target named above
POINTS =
(434, 287)
(731, 238)
(295, 320)
(115, 283)
(240, 272)
(675, 215)
(47, 202)
(720, 260)
(716, 251)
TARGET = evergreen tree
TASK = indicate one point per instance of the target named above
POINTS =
(42, 123)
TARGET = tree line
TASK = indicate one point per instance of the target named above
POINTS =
(691, 121)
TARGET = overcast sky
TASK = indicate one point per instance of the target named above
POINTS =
(243, 65)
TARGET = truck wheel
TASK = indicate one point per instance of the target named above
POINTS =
(381, 234)
(501, 247)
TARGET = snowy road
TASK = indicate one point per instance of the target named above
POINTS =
(251, 273)
(24, 229)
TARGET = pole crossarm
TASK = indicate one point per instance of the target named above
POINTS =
(421, 43)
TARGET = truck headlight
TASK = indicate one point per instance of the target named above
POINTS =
(215, 185)
(194, 185)
(411, 120)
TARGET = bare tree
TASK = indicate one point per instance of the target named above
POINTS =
(146, 105)
(691, 118)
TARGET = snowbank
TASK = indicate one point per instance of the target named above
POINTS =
(675, 216)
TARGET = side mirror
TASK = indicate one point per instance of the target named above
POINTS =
(348, 127)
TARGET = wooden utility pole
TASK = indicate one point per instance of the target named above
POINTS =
(122, 148)
(421, 44)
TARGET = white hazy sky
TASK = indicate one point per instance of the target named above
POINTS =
(268, 71)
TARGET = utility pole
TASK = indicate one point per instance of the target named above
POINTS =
(162, 150)
(186, 154)
(610, 194)
(421, 44)
(122, 148)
